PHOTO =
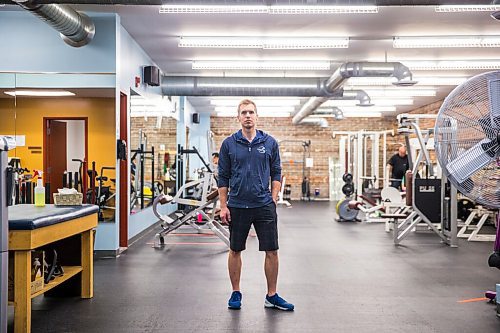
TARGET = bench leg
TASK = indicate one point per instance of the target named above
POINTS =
(22, 291)
(87, 264)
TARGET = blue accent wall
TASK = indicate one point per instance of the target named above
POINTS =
(30, 45)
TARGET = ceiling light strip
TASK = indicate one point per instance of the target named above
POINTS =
(233, 114)
(260, 65)
(465, 8)
(318, 9)
(452, 64)
(446, 41)
(353, 82)
(213, 9)
(269, 9)
(265, 42)
(40, 93)
(259, 102)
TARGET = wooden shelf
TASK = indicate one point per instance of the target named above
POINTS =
(69, 272)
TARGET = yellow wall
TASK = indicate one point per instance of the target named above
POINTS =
(29, 122)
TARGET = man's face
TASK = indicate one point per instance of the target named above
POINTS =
(215, 160)
(402, 151)
(247, 116)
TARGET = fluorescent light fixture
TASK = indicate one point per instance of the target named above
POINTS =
(465, 8)
(375, 102)
(244, 42)
(452, 64)
(213, 9)
(260, 110)
(388, 81)
(368, 109)
(446, 41)
(350, 114)
(395, 93)
(261, 64)
(265, 9)
(40, 93)
(278, 114)
(318, 9)
(261, 103)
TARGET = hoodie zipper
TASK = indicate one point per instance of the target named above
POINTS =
(248, 165)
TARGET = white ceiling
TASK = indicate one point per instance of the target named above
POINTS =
(370, 39)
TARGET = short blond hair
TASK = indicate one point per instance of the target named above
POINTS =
(246, 102)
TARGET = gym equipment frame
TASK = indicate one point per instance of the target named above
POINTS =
(175, 220)
(426, 190)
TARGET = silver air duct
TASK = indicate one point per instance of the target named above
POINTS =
(76, 29)
(321, 122)
(355, 69)
(245, 86)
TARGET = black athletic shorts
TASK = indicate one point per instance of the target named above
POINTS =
(265, 222)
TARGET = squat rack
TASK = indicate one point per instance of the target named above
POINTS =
(352, 155)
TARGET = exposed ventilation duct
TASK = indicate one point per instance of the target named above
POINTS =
(76, 29)
(246, 86)
(355, 69)
(321, 122)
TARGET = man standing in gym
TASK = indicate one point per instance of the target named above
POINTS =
(397, 166)
(248, 160)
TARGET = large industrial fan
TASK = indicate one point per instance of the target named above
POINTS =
(467, 142)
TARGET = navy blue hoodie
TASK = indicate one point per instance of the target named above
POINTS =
(245, 168)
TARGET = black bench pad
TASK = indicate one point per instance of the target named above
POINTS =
(29, 217)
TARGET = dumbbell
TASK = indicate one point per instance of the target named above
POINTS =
(348, 189)
(347, 177)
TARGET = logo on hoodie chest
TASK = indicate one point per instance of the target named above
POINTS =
(261, 149)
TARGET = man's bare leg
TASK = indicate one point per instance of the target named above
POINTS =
(271, 265)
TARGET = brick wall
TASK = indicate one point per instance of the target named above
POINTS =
(322, 146)
(165, 135)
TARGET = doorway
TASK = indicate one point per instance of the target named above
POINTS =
(124, 175)
(65, 140)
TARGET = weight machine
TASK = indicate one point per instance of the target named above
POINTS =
(204, 205)
(306, 153)
(423, 194)
(141, 155)
(353, 156)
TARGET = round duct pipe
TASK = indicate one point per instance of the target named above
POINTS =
(76, 29)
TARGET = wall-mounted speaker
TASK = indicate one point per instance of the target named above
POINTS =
(196, 118)
(151, 75)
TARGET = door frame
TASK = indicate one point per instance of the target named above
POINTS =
(124, 199)
(46, 139)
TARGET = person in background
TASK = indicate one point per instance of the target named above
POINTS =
(215, 162)
(249, 160)
(397, 166)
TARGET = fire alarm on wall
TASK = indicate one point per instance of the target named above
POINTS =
(137, 81)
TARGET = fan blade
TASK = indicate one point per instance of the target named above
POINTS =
(488, 130)
(472, 160)
(494, 97)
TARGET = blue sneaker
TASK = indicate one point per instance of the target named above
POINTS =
(276, 301)
(235, 301)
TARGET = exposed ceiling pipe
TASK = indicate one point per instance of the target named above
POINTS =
(321, 122)
(246, 86)
(355, 69)
(361, 95)
(76, 29)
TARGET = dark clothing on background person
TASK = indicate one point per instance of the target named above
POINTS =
(246, 169)
(399, 166)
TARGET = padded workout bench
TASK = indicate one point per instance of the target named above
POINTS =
(32, 227)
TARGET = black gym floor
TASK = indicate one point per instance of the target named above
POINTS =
(342, 277)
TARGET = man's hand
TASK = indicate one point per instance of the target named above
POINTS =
(225, 215)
